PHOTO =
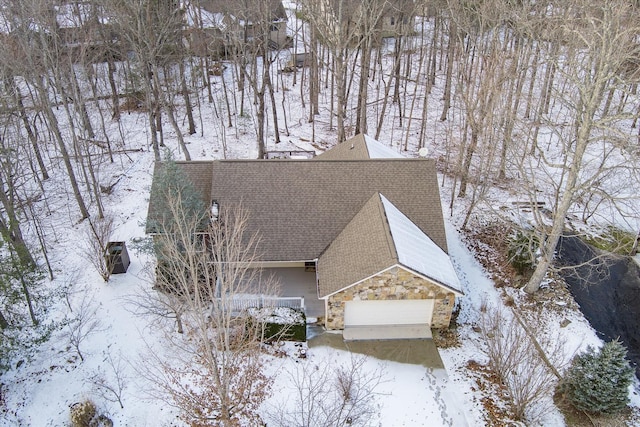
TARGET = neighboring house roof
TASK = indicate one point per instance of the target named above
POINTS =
(78, 14)
(360, 147)
(199, 17)
(380, 237)
(250, 10)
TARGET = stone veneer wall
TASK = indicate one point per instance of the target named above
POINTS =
(394, 284)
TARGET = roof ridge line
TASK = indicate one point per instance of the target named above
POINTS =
(388, 235)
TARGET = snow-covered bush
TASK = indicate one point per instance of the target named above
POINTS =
(598, 381)
(281, 323)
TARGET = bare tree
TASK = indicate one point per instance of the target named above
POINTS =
(83, 324)
(152, 31)
(151, 302)
(112, 382)
(600, 41)
(255, 53)
(42, 65)
(343, 27)
(214, 374)
(519, 363)
(13, 177)
(97, 237)
(327, 395)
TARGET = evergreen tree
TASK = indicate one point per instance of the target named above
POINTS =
(174, 202)
(598, 381)
(23, 300)
(170, 182)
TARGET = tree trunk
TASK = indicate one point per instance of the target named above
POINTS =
(272, 97)
(187, 100)
(361, 109)
(586, 110)
(27, 297)
(115, 98)
(79, 105)
(467, 162)
(387, 89)
(174, 124)
(53, 124)
(260, 115)
(31, 135)
(451, 49)
(340, 74)
(3, 321)
(151, 111)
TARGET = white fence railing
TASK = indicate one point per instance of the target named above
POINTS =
(240, 303)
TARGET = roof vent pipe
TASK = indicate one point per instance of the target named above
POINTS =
(215, 210)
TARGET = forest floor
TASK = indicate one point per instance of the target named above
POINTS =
(38, 391)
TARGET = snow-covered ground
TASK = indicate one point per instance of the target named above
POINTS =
(39, 392)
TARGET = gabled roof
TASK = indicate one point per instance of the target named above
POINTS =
(300, 206)
(363, 248)
(360, 147)
(199, 17)
(380, 237)
(355, 213)
(417, 251)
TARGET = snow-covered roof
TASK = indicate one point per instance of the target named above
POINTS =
(199, 17)
(378, 151)
(75, 15)
(360, 147)
(377, 238)
(417, 251)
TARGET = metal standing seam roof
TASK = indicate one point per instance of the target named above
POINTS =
(417, 251)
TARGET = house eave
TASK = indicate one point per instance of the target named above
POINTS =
(280, 263)
(456, 292)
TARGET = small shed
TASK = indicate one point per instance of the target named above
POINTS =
(117, 257)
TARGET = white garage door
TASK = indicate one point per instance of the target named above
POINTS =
(395, 312)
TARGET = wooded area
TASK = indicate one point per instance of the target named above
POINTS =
(536, 96)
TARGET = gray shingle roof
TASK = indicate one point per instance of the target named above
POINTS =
(300, 206)
(328, 210)
(359, 147)
(351, 149)
(363, 248)
(379, 237)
